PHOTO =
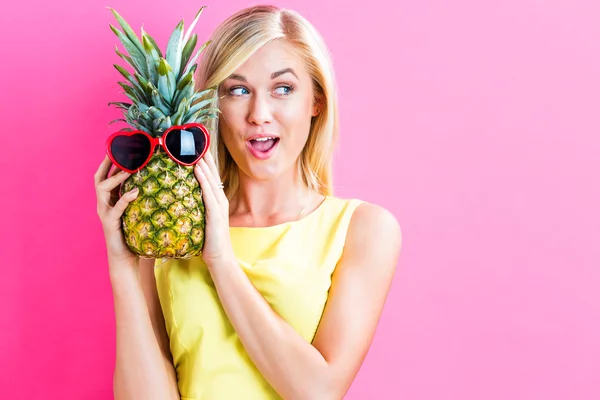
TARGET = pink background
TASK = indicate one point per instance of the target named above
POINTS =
(474, 122)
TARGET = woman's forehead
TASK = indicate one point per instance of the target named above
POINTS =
(271, 61)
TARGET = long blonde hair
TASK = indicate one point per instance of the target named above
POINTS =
(233, 42)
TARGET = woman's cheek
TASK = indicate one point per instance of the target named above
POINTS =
(296, 112)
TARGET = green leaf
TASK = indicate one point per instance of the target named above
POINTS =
(136, 84)
(128, 60)
(142, 107)
(156, 124)
(133, 112)
(186, 79)
(183, 108)
(117, 120)
(157, 100)
(123, 71)
(174, 48)
(165, 124)
(133, 117)
(125, 130)
(142, 81)
(129, 91)
(155, 113)
(144, 128)
(134, 93)
(127, 29)
(209, 111)
(193, 60)
(152, 42)
(204, 95)
(145, 85)
(146, 119)
(202, 108)
(138, 57)
(187, 118)
(177, 118)
(193, 24)
(152, 58)
(199, 118)
(166, 80)
(201, 105)
(130, 120)
(119, 104)
(186, 92)
(187, 50)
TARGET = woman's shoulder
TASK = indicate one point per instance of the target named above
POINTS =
(373, 240)
(370, 221)
(366, 210)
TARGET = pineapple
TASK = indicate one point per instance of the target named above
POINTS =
(167, 218)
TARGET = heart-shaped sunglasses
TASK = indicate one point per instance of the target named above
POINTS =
(184, 144)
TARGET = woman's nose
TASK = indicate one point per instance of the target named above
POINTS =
(260, 110)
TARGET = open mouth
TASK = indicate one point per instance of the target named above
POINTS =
(263, 144)
(264, 147)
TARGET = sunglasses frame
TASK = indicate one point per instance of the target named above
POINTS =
(158, 141)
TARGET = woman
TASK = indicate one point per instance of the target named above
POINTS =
(286, 297)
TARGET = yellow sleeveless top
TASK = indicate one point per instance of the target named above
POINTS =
(290, 264)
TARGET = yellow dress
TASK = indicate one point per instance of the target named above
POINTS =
(290, 264)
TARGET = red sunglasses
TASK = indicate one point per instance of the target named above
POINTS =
(184, 144)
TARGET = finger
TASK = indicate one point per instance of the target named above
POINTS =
(112, 182)
(115, 193)
(212, 180)
(103, 169)
(212, 205)
(123, 202)
(114, 171)
(212, 165)
(218, 190)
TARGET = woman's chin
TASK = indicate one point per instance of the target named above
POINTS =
(265, 173)
(264, 170)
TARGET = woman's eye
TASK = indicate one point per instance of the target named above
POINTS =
(284, 90)
(238, 91)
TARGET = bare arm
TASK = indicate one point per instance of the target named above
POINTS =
(143, 369)
(325, 369)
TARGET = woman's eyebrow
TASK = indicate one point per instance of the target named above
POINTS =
(237, 77)
(283, 71)
(274, 75)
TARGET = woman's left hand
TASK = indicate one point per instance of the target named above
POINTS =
(217, 242)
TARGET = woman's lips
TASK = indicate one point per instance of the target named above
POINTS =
(262, 147)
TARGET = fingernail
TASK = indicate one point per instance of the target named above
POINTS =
(135, 191)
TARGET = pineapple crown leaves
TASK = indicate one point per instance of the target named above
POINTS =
(161, 87)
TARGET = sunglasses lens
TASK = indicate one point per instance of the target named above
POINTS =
(130, 151)
(186, 145)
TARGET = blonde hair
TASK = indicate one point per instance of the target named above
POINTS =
(233, 42)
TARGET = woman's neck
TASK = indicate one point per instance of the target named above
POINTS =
(265, 203)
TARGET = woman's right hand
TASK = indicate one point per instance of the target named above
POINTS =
(110, 209)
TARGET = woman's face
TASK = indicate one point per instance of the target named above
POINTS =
(266, 106)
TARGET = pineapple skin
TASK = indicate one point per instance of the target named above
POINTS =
(167, 218)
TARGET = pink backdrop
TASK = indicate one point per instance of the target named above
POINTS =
(474, 122)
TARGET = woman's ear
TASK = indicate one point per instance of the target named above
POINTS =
(317, 105)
